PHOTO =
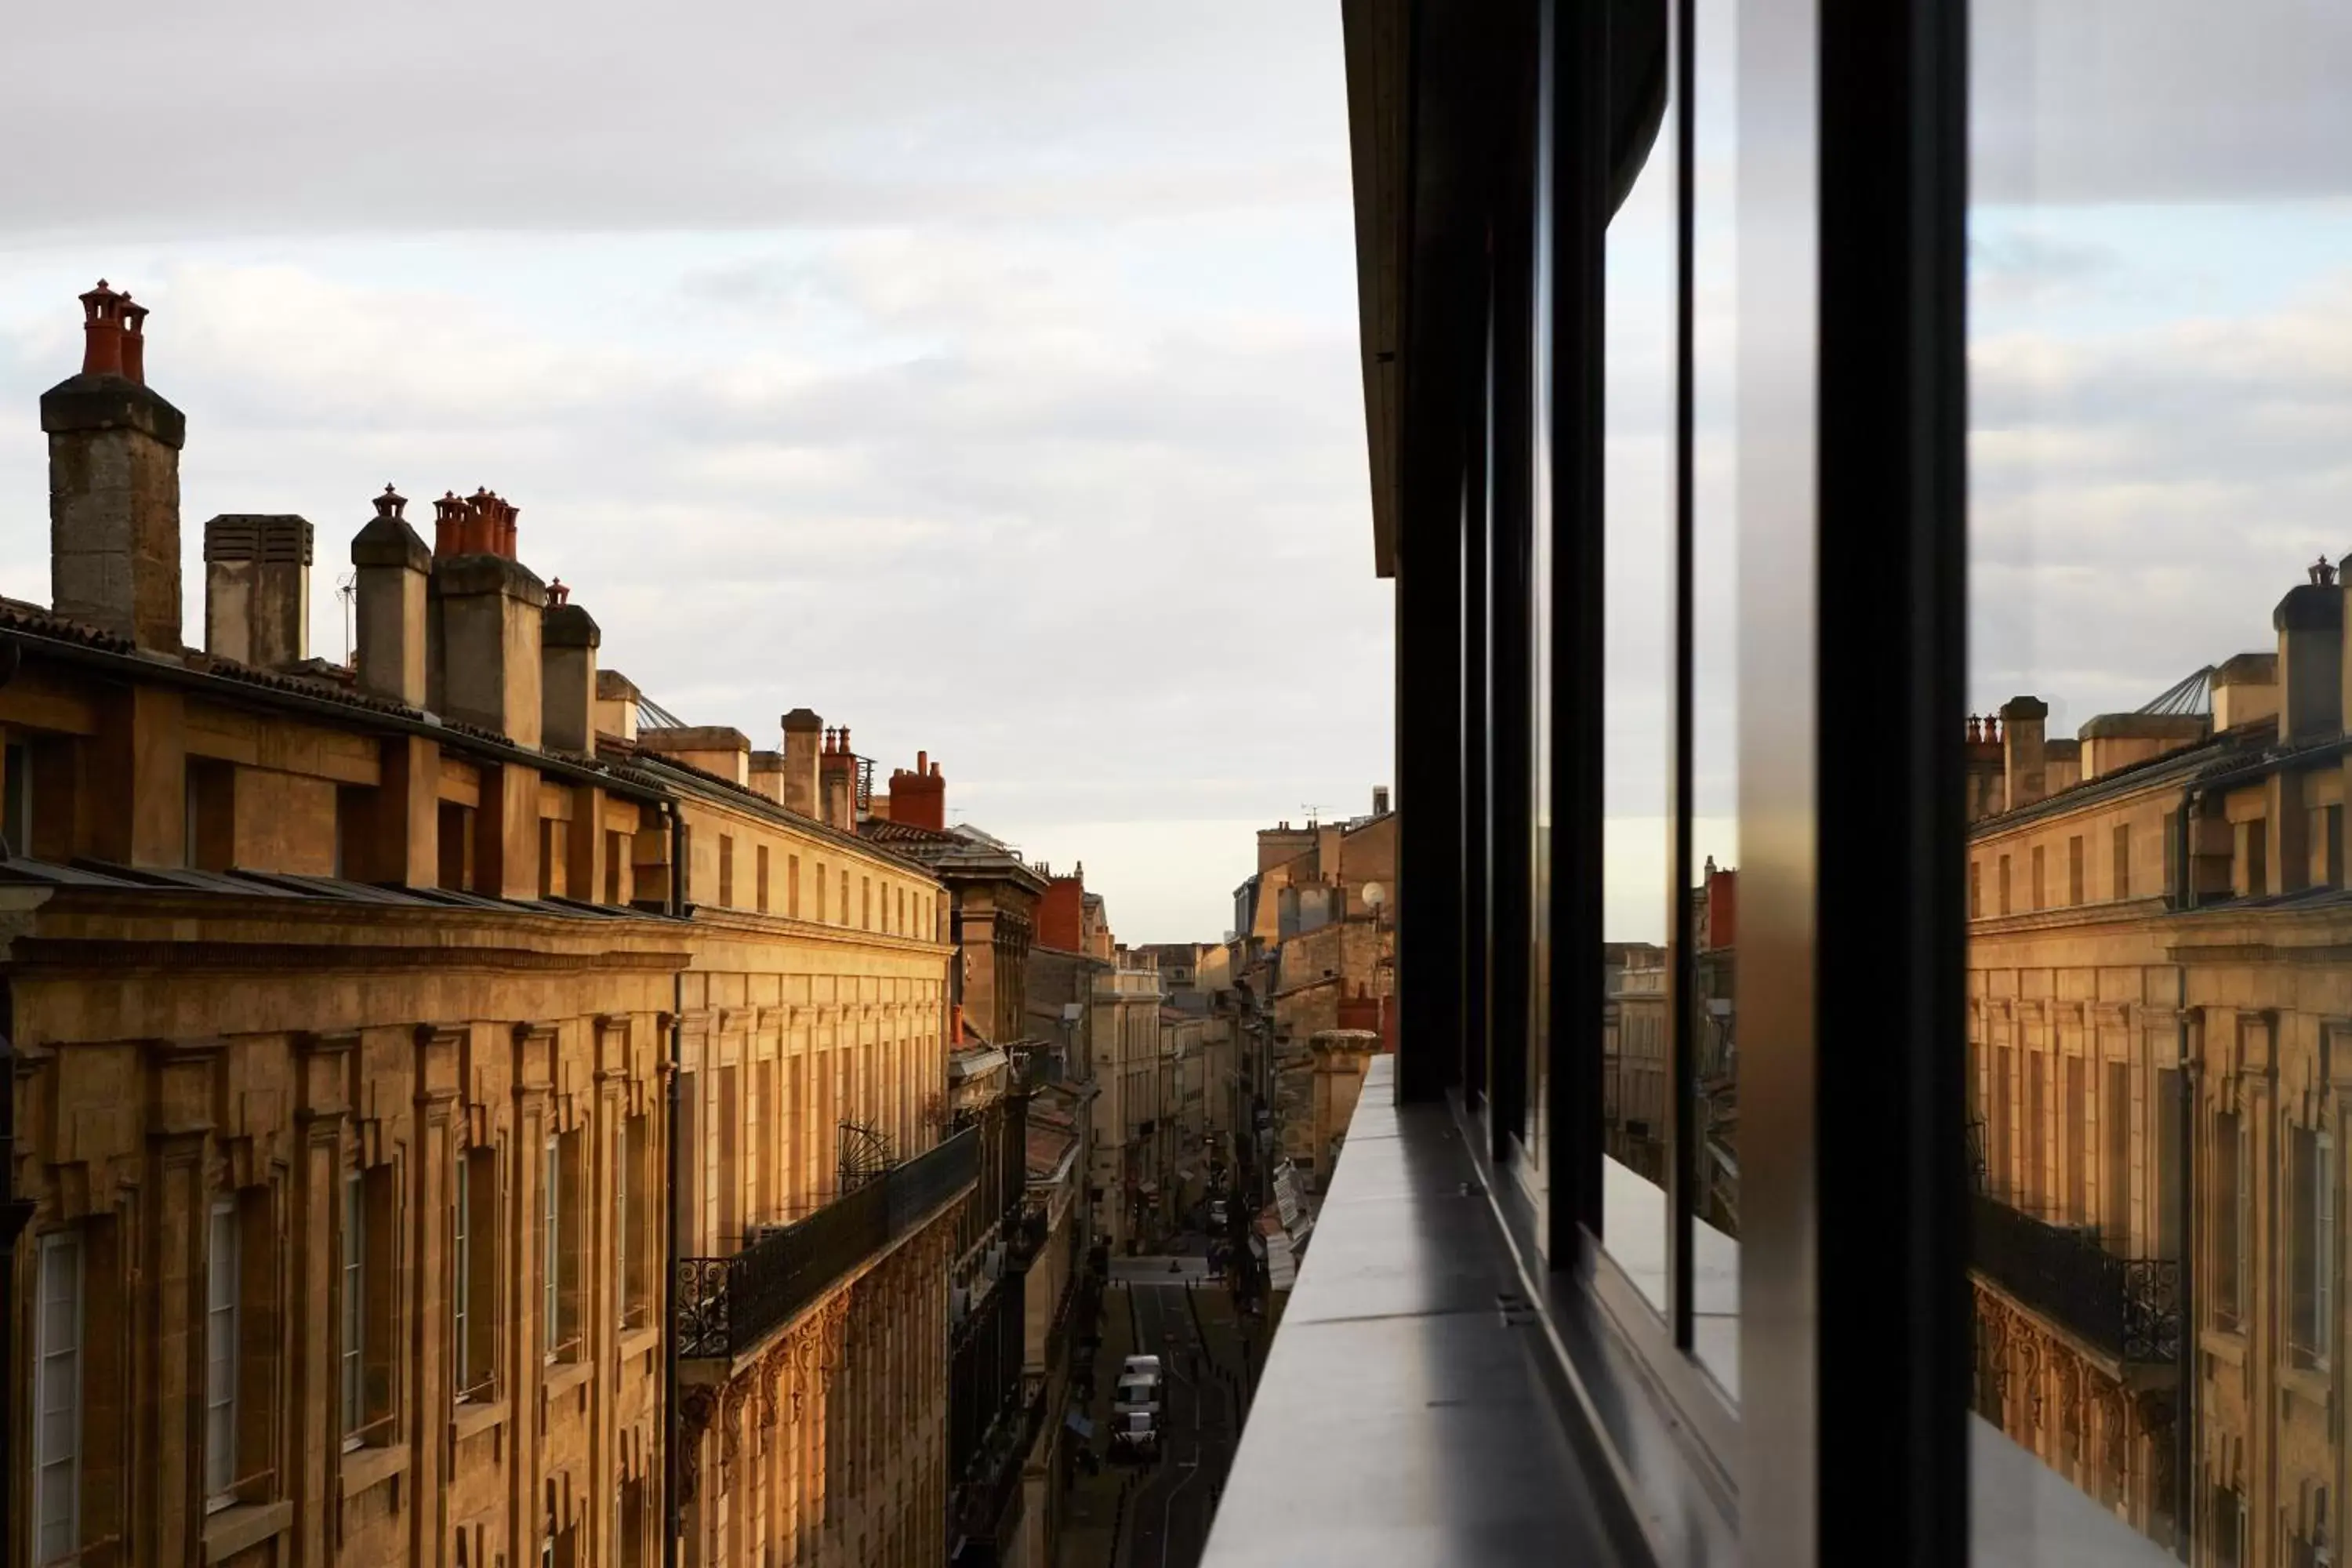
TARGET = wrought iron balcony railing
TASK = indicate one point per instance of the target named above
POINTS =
(2128, 1306)
(726, 1305)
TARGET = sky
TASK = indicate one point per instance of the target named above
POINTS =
(983, 378)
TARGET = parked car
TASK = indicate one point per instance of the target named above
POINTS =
(1141, 1366)
(1135, 1435)
(1137, 1393)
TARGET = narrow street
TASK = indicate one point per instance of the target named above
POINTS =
(1174, 1504)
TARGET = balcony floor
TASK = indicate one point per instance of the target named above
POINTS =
(1401, 1418)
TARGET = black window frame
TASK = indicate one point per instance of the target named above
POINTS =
(1852, 599)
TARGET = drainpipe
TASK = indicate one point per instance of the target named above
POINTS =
(675, 906)
(16, 1214)
(2184, 1417)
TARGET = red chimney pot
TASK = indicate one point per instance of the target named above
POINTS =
(101, 328)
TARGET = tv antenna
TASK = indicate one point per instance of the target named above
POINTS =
(347, 589)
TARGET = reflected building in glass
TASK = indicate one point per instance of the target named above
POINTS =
(2157, 985)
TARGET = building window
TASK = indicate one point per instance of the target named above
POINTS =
(1976, 889)
(2075, 870)
(2004, 884)
(2332, 845)
(16, 803)
(2040, 896)
(2228, 1218)
(820, 891)
(56, 1394)
(473, 1293)
(456, 846)
(632, 1268)
(2312, 1255)
(616, 866)
(864, 903)
(551, 1237)
(223, 1263)
(559, 1229)
(2228, 1528)
(792, 886)
(726, 872)
(845, 898)
(354, 1367)
(2122, 855)
(760, 857)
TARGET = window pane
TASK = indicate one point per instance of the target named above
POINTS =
(2157, 303)
(1715, 683)
(1637, 707)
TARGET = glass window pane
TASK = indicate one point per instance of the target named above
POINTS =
(2158, 309)
(1639, 534)
(1715, 683)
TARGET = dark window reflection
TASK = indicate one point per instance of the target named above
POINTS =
(1639, 549)
(2160, 299)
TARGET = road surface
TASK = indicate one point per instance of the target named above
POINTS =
(1170, 1511)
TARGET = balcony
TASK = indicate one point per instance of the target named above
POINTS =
(728, 1305)
(2129, 1308)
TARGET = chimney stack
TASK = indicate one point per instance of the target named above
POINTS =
(1379, 800)
(393, 566)
(568, 640)
(2024, 771)
(919, 797)
(257, 588)
(617, 704)
(797, 790)
(837, 781)
(490, 610)
(2310, 625)
(114, 484)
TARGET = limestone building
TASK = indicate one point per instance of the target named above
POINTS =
(353, 1011)
(2158, 999)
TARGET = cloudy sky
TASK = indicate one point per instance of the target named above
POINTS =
(980, 377)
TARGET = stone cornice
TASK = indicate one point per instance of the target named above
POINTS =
(78, 954)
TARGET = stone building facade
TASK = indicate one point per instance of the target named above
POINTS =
(349, 1009)
(2158, 1005)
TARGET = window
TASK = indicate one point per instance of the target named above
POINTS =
(821, 882)
(726, 872)
(224, 1264)
(16, 803)
(2175, 886)
(633, 1266)
(792, 886)
(2121, 874)
(1976, 889)
(2230, 1205)
(551, 1262)
(474, 1285)
(2229, 1529)
(2004, 884)
(353, 1364)
(616, 867)
(2075, 870)
(554, 842)
(2332, 845)
(2040, 900)
(2311, 1246)
(561, 1260)
(456, 841)
(56, 1394)
(864, 903)
(211, 816)
(845, 898)
(761, 856)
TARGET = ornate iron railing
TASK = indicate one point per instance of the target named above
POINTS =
(2128, 1306)
(728, 1304)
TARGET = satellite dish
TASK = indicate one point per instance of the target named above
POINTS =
(1375, 895)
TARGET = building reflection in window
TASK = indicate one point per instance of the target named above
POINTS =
(2160, 299)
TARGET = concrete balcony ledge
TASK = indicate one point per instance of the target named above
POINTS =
(1405, 1414)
